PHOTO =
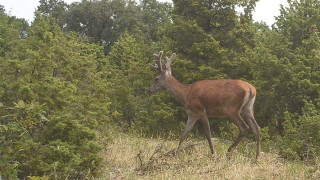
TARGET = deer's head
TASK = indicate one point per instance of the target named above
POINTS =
(164, 71)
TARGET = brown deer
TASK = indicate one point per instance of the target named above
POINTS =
(210, 98)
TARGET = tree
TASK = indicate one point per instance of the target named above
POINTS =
(53, 8)
(105, 21)
(218, 18)
(154, 15)
(298, 20)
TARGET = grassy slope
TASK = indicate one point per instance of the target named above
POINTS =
(195, 162)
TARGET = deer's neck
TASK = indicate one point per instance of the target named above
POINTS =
(177, 89)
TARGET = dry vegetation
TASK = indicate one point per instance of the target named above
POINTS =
(130, 157)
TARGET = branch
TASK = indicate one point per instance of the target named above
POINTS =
(146, 167)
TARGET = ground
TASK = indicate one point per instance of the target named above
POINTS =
(132, 157)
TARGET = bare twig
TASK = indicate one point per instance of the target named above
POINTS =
(172, 151)
(152, 159)
(139, 158)
(317, 36)
(158, 149)
(214, 170)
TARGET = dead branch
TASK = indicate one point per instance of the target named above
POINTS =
(139, 158)
(157, 150)
(146, 166)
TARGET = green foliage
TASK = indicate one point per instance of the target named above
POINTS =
(58, 83)
(301, 134)
(129, 76)
(299, 20)
(218, 18)
(30, 145)
(53, 8)
(106, 21)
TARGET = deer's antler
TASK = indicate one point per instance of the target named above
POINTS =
(169, 60)
(158, 64)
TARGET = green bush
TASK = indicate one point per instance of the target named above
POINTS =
(301, 134)
(32, 144)
(53, 100)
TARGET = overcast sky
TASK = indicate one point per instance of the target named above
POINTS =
(265, 10)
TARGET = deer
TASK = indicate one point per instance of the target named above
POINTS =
(210, 98)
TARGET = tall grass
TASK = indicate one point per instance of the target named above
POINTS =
(131, 157)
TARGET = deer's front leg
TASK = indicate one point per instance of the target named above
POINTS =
(207, 132)
(190, 123)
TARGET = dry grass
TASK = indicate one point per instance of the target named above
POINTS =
(195, 162)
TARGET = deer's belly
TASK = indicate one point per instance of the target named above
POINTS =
(215, 112)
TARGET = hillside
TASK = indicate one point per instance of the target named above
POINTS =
(195, 161)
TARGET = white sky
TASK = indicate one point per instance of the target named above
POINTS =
(265, 10)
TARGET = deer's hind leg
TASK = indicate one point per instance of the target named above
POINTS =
(243, 127)
(248, 114)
